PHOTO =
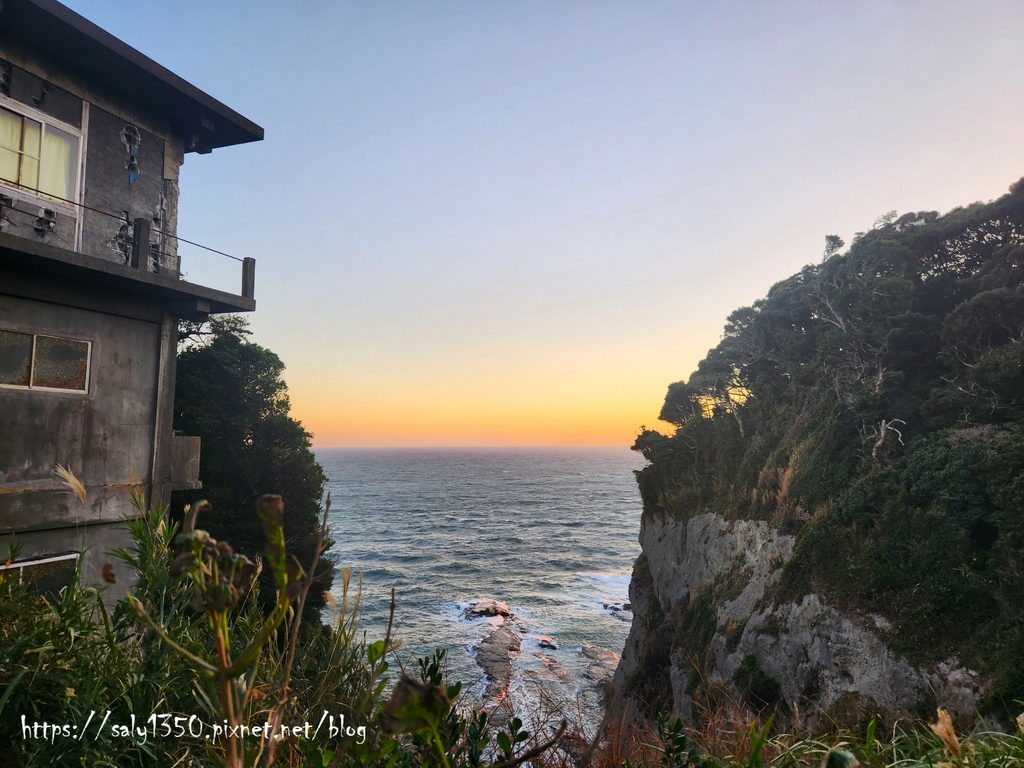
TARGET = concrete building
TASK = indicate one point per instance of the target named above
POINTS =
(92, 135)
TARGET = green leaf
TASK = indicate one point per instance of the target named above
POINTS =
(504, 745)
(374, 651)
(10, 689)
(270, 509)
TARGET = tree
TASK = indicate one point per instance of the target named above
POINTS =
(833, 244)
(230, 392)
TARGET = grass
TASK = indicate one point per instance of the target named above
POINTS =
(192, 643)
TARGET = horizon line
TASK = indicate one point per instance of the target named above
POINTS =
(470, 447)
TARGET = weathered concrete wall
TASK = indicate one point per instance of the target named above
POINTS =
(36, 92)
(106, 437)
(116, 153)
(130, 167)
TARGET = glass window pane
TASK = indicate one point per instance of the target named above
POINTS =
(9, 165)
(50, 578)
(10, 146)
(60, 163)
(29, 172)
(31, 141)
(10, 129)
(15, 358)
(61, 364)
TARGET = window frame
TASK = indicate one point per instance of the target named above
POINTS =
(30, 387)
(19, 193)
(21, 565)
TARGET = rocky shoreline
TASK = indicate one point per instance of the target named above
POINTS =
(521, 666)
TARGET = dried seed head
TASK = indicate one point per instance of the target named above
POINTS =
(944, 730)
(73, 483)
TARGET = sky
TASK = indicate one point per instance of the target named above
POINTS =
(516, 223)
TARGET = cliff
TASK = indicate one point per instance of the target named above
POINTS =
(835, 525)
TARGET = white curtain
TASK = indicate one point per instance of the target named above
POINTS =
(19, 149)
(60, 163)
(10, 146)
(37, 158)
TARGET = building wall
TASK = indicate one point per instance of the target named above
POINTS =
(117, 436)
(105, 436)
(129, 167)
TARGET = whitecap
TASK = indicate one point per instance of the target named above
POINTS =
(616, 584)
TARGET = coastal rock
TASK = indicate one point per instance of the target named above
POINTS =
(621, 610)
(494, 655)
(488, 607)
(553, 669)
(546, 642)
(601, 664)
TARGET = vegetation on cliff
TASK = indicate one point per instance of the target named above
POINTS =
(231, 393)
(873, 405)
(141, 687)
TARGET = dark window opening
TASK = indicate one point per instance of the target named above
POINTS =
(36, 361)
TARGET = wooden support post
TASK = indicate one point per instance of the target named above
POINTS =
(249, 277)
(140, 244)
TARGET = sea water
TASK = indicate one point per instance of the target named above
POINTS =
(550, 531)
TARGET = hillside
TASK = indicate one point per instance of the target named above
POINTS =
(837, 519)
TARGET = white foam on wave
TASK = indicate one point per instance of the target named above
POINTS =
(615, 584)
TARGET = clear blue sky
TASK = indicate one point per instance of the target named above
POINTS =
(518, 222)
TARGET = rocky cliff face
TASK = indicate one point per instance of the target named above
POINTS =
(834, 522)
(709, 615)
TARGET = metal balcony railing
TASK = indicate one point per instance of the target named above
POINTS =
(134, 242)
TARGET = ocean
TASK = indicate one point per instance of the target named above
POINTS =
(550, 531)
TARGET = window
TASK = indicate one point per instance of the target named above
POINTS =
(36, 155)
(36, 361)
(47, 575)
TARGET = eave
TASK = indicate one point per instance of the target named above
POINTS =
(84, 48)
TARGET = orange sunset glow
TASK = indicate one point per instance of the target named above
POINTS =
(519, 223)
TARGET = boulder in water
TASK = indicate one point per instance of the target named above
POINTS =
(488, 607)
(554, 670)
(601, 665)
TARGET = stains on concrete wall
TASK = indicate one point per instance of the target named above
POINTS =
(130, 173)
(124, 176)
(105, 437)
(131, 137)
(174, 158)
(29, 219)
(40, 94)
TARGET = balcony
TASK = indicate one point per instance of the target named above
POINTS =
(141, 271)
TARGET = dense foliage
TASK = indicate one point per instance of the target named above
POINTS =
(873, 404)
(67, 663)
(231, 393)
(141, 686)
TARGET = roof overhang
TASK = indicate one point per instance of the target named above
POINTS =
(67, 37)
